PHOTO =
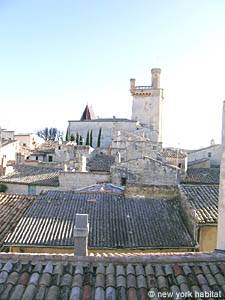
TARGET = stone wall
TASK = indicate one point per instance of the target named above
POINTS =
(15, 188)
(132, 146)
(207, 237)
(213, 152)
(146, 171)
(151, 191)
(82, 127)
(76, 180)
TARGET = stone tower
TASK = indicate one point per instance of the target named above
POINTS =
(147, 105)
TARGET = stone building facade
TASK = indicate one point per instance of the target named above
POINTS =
(146, 115)
(212, 152)
(146, 171)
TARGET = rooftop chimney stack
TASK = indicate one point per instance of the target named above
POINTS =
(81, 231)
(221, 208)
(132, 84)
(156, 78)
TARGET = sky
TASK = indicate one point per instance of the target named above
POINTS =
(57, 56)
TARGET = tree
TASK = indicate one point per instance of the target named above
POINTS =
(50, 134)
(67, 135)
(87, 138)
(3, 188)
(81, 140)
(99, 137)
(72, 138)
(91, 138)
(77, 138)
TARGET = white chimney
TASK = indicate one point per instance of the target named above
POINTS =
(81, 231)
(221, 208)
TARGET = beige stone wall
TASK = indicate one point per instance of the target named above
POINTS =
(76, 180)
(82, 127)
(216, 154)
(204, 164)
(207, 237)
(14, 188)
(55, 250)
(153, 191)
(145, 171)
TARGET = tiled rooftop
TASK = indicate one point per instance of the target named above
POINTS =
(115, 222)
(12, 208)
(49, 277)
(101, 163)
(173, 153)
(204, 200)
(202, 176)
(32, 175)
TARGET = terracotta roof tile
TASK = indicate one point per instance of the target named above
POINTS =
(187, 271)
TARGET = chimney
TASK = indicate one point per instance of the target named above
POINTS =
(156, 78)
(81, 235)
(132, 84)
(221, 206)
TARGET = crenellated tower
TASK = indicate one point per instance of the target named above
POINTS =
(147, 105)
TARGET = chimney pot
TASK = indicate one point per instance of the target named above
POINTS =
(81, 231)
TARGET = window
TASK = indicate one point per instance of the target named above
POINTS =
(179, 165)
(154, 148)
(50, 158)
(123, 181)
(59, 147)
(36, 157)
(209, 154)
(24, 144)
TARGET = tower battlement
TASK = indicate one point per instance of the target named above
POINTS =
(147, 104)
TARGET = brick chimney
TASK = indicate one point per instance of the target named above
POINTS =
(81, 235)
(221, 208)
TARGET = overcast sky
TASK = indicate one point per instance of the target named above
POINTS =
(55, 56)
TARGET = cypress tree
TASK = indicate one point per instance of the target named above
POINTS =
(99, 137)
(67, 136)
(81, 140)
(91, 138)
(72, 138)
(77, 138)
(88, 138)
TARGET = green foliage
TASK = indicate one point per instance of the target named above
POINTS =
(72, 138)
(91, 139)
(67, 136)
(77, 138)
(99, 137)
(87, 138)
(81, 140)
(3, 188)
